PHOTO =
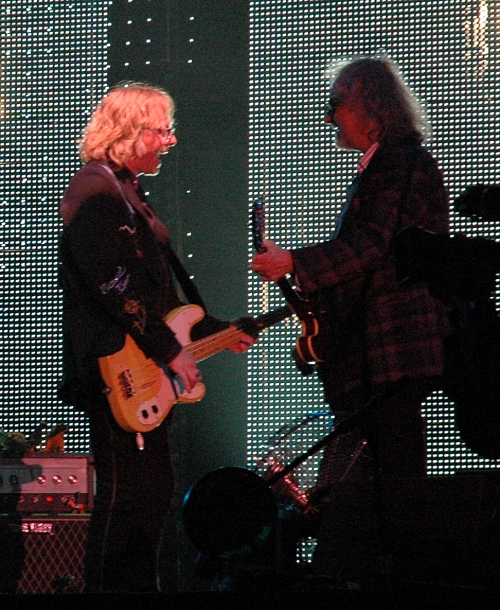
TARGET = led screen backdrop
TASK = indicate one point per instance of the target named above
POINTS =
(54, 58)
(448, 51)
(53, 69)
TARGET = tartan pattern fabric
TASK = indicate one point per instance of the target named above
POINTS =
(380, 331)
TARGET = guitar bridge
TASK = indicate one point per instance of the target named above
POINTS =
(126, 385)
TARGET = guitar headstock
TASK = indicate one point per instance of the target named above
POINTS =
(258, 225)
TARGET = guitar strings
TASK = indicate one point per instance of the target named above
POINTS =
(200, 350)
(144, 373)
(203, 348)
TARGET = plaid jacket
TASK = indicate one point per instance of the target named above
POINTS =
(378, 331)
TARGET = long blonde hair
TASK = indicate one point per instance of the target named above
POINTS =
(113, 132)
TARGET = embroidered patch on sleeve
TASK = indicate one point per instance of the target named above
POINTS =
(137, 310)
(119, 282)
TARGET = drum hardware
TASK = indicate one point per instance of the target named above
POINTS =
(292, 489)
(233, 511)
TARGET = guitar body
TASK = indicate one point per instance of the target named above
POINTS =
(142, 393)
(310, 346)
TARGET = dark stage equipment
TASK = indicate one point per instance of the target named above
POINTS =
(462, 272)
(47, 482)
(479, 202)
(45, 499)
(247, 525)
(42, 553)
(228, 511)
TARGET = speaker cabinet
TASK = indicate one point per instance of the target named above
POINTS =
(42, 554)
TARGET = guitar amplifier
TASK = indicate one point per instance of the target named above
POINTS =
(47, 483)
(42, 553)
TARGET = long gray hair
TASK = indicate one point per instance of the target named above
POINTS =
(375, 86)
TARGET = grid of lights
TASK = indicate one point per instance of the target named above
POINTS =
(448, 52)
(54, 69)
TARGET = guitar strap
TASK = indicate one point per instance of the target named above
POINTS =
(185, 282)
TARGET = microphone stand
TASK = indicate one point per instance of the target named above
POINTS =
(345, 426)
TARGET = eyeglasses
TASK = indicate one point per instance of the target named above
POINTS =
(332, 106)
(165, 133)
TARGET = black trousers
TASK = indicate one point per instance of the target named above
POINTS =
(382, 516)
(133, 492)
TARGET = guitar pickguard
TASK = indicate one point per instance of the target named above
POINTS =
(141, 393)
(153, 411)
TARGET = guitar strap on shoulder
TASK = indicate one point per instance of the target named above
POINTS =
(186, 283)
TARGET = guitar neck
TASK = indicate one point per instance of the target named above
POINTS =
(288, 292)
(258, 230)
(204, 348)
(211, 345)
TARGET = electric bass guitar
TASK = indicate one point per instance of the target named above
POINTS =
(141, 393)
(310, 346)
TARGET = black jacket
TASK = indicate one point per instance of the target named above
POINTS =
(116, 279)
